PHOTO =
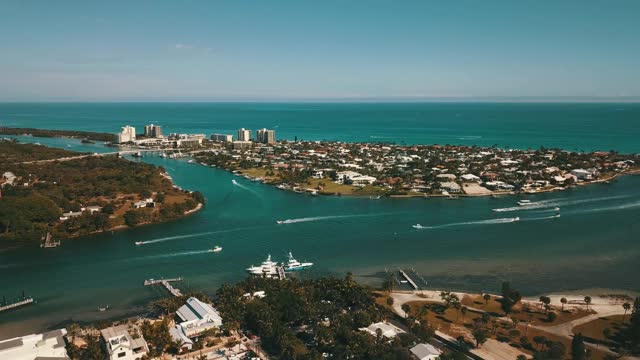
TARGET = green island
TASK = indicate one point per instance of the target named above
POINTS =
(85, 135)
(81, 194)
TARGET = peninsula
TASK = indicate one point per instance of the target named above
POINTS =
(81, 195)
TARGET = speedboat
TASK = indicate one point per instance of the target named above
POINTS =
(556, 216)
(139, 242)
(525, 202)
(556, 209)
(295, 265)
(103, 308)
(417, 226)
(216, 249)
(279, 221)
(516, 219)
(234, 182)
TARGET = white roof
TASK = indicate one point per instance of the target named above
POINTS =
(49, 345)
(423, 351)
(195, 309)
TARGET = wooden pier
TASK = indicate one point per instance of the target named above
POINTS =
(16, 304)
(406, 276)
(166, 283)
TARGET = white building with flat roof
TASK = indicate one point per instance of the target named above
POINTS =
(49, 346)
(127, 134)
(124, 342)
(221, 138)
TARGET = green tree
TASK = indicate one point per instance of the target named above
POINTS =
(577, 347)
(563, 301)
(486, 298)
(480, 335)
(626, 306)
(587, 300)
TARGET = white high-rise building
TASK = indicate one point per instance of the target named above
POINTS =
(266, 136)
(244, 135)
(128, 134)
(221, 137)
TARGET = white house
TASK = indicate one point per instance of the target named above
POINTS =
(9, 178)
(197, 317)
(425, 352)
(582, 174)
(363, 180)
(451, 187)
(389, 331)
(143, 203)
(49, 345)
(470, 178)
(124, 342)
(344, 177)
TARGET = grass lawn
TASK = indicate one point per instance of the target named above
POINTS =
(595, 329)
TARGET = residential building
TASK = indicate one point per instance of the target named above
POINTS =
(242, 145)
(583, 174)
(344, 177)
(152, 131)
(470, 178)
(451, 187)
(127, 134)
(389, 331)
(144, 203)
(244, 135)
(221, 138)
(266, 136)
(49, 346)
(196, 317)
(425, 352)
(124, 342)
(9, 178)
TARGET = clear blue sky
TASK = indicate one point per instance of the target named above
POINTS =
(343, 49)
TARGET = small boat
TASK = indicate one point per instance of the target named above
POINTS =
(163, 155)
(516, 219)
(234, 182)
(191, 161)
(417, 226)
(556, 209)
(103, 308)
(139, 242)
(525, 202)
(216, 249)
(279, 221)
(556, 216)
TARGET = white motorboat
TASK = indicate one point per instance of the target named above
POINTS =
(268, 268)
(295, 265)
(525, 202)
(139, 242)
(417, 226)
(216, 249)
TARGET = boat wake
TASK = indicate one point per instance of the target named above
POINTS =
(467, 223)
(553, 203)
(176, 237)
(608, 208)
(234, 182)
(321, 218)
(184, 253)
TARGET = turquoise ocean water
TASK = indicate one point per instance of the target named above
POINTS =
(594, 244)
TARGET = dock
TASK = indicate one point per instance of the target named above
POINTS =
(166, 283)
(281, 274)
(16, 304)
(409, 280)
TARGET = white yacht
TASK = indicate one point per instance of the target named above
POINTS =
(295, 265)
(525, 202)
(268, 268)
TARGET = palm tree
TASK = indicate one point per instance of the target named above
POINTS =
(463, 311)
(486, 298)
(587, 300)
(626, 306)
(563, 301)
(74, 330)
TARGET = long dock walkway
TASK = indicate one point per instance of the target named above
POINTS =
(16, 304)
(167, 284)
(409, 280)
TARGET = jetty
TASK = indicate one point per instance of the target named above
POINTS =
(409, 280)
(16, 304)
(281, 274)
(166, 283)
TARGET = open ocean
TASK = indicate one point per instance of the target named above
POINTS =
(594, 244)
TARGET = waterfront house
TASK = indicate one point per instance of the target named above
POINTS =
(49, 345)
(196, 317)
(451, 187)
(9, 178)
(425, 352)
(124, 342)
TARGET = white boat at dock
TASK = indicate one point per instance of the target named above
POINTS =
(268, 268)
(295, 265)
